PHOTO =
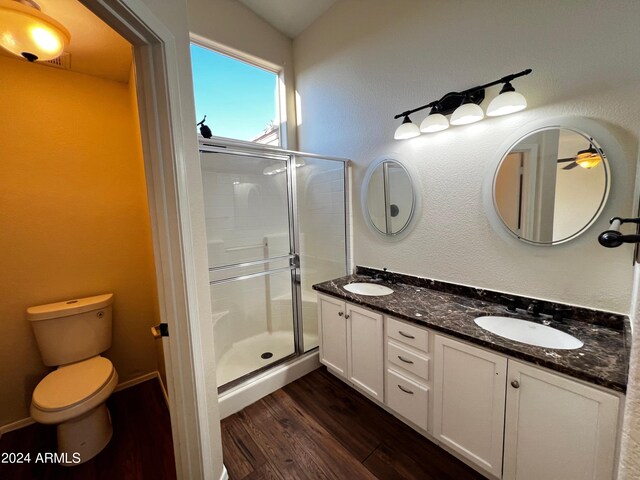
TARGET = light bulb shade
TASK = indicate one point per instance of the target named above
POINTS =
(408, 129)
(466, 114)
(588, 158)
(436, 122)
(506, 103)
(29, 33)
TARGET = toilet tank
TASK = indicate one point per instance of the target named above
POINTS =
(72, 330)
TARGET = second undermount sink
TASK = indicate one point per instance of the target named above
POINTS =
(368, 289)
(529, 332)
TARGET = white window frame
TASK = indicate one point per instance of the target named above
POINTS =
(281, 92)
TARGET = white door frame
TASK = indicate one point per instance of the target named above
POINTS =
(194, 411)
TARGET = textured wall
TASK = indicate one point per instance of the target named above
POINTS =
(74, 219)
(364, 61)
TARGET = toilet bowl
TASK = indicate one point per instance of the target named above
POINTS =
(73, 396)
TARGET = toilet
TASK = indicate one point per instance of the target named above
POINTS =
(70, 336)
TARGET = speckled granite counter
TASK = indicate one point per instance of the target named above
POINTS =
(602, 360)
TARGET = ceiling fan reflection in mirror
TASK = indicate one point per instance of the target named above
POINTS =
(587, 158)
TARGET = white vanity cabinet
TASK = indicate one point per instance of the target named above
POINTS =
(509, 419)
(408, 371)
(557, 428)
(351, 344)
(554, 427)
(469, 389)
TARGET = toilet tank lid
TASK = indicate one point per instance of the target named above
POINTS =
(69, 307)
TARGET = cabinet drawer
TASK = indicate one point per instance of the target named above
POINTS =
(409, 334)
(408, 360)
(407, 398)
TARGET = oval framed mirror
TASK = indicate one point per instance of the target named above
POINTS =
(390, 199)
(551, 185)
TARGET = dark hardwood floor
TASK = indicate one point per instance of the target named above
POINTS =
(319, 428)
(141, 446)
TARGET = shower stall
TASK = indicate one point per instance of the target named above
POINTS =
(276, 224)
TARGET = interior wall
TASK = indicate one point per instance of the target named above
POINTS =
(74, 218)
(363, 62)
(233, 25)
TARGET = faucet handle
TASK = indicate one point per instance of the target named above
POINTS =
(511, 303)
(534, 308)
(558, 312)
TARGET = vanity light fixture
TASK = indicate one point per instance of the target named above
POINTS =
(464, 108)
(467, 113)
(508, 101)
(407, 129)
(27, 32)
(434, 122)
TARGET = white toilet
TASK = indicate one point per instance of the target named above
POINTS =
(71, 335)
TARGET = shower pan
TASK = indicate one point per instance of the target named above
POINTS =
(276, 224)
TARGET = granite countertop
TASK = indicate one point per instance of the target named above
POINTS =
(603, 360)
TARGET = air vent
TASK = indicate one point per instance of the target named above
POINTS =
(63, 61)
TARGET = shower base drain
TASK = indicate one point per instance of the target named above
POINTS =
(266, 355)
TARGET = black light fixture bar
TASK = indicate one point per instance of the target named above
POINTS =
(452, 100)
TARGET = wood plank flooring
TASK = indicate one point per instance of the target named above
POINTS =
(141, 446)
(319, 428)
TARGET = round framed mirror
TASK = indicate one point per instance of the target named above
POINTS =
(551, 185)
(389, 198)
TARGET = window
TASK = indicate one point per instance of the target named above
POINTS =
(240, 100)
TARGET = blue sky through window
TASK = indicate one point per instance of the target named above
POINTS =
(238, 99)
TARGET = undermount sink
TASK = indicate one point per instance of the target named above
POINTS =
(529, 332)
(369, 289)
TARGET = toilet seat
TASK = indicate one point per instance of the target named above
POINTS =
(73, 389)
(72, 384)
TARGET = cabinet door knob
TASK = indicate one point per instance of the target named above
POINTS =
(340, 314)
(347, 316)
(405, 334)
(515, 384)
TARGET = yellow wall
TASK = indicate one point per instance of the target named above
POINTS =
(74, 217)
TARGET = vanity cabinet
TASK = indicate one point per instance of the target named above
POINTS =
(554, 427)
(510, 419)
(351, 344)
(469, 389)
(557, 428)
(408, 367)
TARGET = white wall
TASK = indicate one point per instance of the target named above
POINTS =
(363, 62)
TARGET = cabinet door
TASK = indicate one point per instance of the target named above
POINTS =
(365, 339)
(469, 398)
(557, 428)
(333, 334)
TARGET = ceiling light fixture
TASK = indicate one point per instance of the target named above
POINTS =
(27, 32)
(464, 108)
(588, 158)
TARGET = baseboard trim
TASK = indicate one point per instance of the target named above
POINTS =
(254, 389)
(25, 422)
(225, 474)
(137, 380)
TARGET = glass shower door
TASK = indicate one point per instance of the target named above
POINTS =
(249, 221)
(322, 233)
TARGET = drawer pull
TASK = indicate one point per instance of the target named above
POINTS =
(404, 360)
(405, 390)
(340, 314)
(347, 316)
(515, 384)
(405, 334)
